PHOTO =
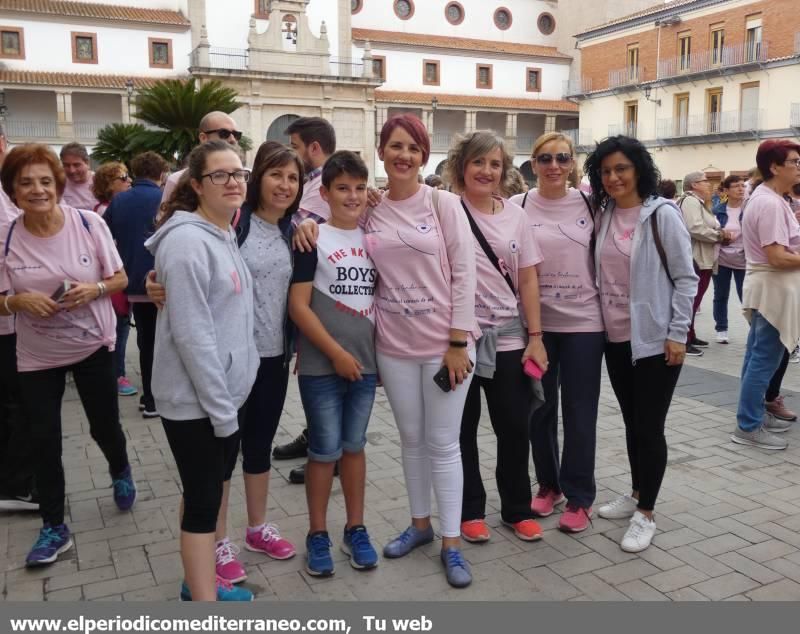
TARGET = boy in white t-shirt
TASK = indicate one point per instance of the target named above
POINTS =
(331, 302)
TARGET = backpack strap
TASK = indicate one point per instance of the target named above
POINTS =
(593, 239)
(13, 224)
(659, 246)
(487, 249)
(524, 199)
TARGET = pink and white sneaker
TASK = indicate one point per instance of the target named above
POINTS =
(268, 540)
(229, 568)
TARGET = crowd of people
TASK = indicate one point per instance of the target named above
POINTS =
(227, 272)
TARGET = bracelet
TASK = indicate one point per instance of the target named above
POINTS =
(538, 333)
(102, 288)
(5, 305)
(458, 344)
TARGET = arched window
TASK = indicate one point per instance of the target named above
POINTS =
(277, 128)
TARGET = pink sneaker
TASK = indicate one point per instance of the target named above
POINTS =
(229, 568)
(575, 519)
(268, 540)
(546, 498)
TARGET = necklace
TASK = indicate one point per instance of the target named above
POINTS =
(493, 210)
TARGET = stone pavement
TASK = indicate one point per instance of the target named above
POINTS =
(728, 517)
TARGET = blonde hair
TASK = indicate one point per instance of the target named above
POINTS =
(573, 179)
(469, 147)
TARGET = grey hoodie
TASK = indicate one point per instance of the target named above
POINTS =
(205, 358)
(659, 311)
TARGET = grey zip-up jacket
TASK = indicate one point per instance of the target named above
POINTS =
(205, 360)
(659, 310)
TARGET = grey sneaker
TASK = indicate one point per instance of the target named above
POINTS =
(758, 438)
(776, 425)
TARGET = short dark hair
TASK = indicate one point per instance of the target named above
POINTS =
(273, 154)
(730, 180)
(148, 165)
(647, 174)
(667, 188)
(413, 127)
(311, 129)
(343, 162)
(773, 151)
(74, 149)
(30, 154)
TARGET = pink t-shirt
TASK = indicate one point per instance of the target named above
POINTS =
(8, 211)
(768, 219)
(79, 195)
(170, 185)
(311, 204)
(567, 290)
(424, 287)
(38, 264)
(732, 255)
(509, 233)
(615, 273)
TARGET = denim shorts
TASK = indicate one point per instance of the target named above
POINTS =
(337, 412)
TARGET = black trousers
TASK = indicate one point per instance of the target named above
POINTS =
(204, 463)
(145, 315)
(575, 366)
(42, 392)
(509, 396)
(774, 389)
(16, 456)
(644, 392)
(262, 413)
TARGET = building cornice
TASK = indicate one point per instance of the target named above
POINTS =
(92, 11)
(474, 101)
(46, 80)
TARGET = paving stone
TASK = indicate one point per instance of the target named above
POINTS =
(749, 567)
(765, 551)
(675, 579)
(81, 578)
(721, 544)
(640, 591)
(579, 565)
(550, 584)
(597, 589)
(131, 561)
(783, 590)
(687, 594)
(726, 586)
(703, 563)
(118, 586)
(627, 571)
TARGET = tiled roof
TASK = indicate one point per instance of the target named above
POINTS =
(98, 11)
(475, 101)
(458, 43)
(72, 80)
(656, 8)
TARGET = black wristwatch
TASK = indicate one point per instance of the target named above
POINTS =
(458, 344)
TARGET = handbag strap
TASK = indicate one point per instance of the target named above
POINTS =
(659, 246)
(487, 249)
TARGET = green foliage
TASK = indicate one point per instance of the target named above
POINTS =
(118, 142)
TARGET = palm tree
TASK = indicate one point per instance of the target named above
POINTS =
(172, 110)
(118, 142)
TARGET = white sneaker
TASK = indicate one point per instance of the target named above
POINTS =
(722, 336)
(795, 356)
(639, 534)
(624, 506)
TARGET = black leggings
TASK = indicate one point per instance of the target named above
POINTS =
(774, 389)
(16, 456)
(644, 392)
(41, 393)
(509, 396)
(204, 463)
(145, 315)
(262, 413)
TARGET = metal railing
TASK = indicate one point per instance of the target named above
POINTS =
(624, 76)
(627, 129)
(794, 116)
(89, 129)
(577, 86)
(700, 61)
(711, 123)
(346, 67)
(239, 59)
(224, 58)
(579, 136)
(22, 129)
(441, 141)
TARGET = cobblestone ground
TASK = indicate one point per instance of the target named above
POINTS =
(728, 517)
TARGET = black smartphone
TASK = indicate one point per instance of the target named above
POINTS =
(59, 292)
(442, 379)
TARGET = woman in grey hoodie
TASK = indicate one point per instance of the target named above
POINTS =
(205, 356)
(647, 283)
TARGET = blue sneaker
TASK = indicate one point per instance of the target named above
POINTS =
(457, 569)
(53, 540)
(124, 490)
(356, 544)
(319, 562)
(225, 592)
(407, 541)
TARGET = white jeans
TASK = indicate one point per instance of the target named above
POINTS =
(429, 422)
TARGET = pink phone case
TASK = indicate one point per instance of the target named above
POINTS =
(532, 369)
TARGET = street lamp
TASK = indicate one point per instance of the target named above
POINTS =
(129, 90)
(647, 91)
(434, 104)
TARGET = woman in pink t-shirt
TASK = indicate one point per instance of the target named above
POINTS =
(61, 265)
(574, 336)
(477, 166)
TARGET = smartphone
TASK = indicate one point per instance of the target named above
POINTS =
(59, 292)
(442, 379)
(532, 369)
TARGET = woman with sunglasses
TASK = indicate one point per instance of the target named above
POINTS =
(506, 257)
(574, 336)
(206, 359)
(647, 283)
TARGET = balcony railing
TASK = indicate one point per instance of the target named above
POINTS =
(627, 129)
(579, 136)
(89, 129)
(624, 76)
(239, 59)
(441, 141)
(345, 67)
(711, 123)
(794, 117)
(577, 86)
(23, 129)
(702, 61)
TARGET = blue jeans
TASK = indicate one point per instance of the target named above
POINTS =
(123, 328)
(761, 358)
(337, 412)
(722, 290)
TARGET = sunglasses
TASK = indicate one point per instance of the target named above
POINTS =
(123, 178)
(223, 134)
(562, 158)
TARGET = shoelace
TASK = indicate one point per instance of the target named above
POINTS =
(455, 559)
(122, 487)
(638, 527)
(226, 553)
(406, 536)
(270, 533)
(359, 541)
(319, 543)
(778, 401)
(47, 537)
(224, 584)
(578, 509)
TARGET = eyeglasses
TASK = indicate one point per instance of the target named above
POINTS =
(562, 158)
(123, 178)
(223, 178)
(617, 170)
(795, 162)
(223, 134)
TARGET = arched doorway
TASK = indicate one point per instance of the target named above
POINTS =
(276, 130)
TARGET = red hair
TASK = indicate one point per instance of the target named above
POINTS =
(30, 154)
(415, 129)
(772, 152)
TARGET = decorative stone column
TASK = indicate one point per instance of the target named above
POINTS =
(471, 121)
(511, 133)
(66, 130)
(550, 123)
